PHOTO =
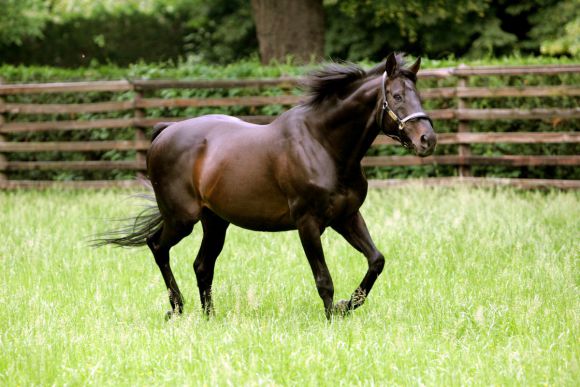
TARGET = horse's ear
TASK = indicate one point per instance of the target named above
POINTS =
(391, 66)
(416, 66)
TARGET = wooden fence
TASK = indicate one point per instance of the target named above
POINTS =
(139, 105)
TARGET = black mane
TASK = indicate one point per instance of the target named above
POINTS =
(334, 79)
(331, 80)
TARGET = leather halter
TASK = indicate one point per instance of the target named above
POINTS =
(401, 123)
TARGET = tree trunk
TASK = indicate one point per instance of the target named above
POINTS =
(289, 27)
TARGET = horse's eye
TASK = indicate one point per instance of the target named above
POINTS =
(398, 97)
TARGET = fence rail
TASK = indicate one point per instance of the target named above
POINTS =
(137, 107)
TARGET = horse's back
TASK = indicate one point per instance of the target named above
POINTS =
(195, 126)
(184, 137)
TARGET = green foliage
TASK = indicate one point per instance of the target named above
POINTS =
(569, 43)
(89, 8)
(480, 288)
(464, 27)
(561, 35)
(524, 27)
(80, 33)
(369, 29)
(20, 19)
(221, 31)
(83, 33)
(414, 14)
(491, 39)
(102, 37)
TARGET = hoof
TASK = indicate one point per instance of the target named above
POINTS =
(171, 314)
(342, 308)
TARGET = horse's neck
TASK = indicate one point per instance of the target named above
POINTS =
(349, 126)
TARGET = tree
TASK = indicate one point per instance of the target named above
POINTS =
(20, 19)
(371, 28)
(439, 28)
(557, 28)
(289, 28)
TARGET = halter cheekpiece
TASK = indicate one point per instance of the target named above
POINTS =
(400, 122)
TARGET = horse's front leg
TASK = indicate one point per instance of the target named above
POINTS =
(355, 231)
(310, 231)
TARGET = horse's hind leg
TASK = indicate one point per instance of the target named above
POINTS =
(160, 243)
(214, 234)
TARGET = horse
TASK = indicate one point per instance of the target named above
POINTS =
(300, 172)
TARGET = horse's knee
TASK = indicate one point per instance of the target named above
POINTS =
(377, 263)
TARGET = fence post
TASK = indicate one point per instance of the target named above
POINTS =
(141, 155)
(3, 158)
(463, 127)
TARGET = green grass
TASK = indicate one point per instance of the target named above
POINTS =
(480, 287)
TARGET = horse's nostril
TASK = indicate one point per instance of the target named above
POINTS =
(424, 140)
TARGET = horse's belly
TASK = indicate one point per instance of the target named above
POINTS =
(253, 214)
(249, 202)
(261, 224)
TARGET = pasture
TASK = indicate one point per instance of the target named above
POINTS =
(480, 287)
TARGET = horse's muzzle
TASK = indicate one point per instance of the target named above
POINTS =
(426, 144)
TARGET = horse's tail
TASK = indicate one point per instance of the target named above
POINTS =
(136, 230)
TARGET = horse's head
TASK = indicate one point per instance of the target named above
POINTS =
(400, 115)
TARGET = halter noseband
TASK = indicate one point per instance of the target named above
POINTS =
(401, 123)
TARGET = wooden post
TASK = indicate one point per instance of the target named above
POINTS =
(141, 155)
(463, 127)
(3, 158)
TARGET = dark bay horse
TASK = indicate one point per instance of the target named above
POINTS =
(301, 172)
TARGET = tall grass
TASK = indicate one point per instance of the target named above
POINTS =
(480, 287)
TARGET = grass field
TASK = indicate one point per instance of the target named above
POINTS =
(480, 287)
